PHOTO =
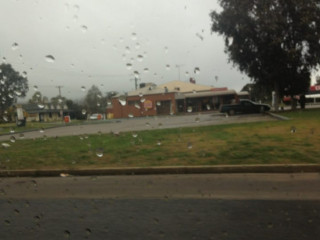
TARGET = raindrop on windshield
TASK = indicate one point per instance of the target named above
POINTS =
(139, 58)
(12, 130)
(140, 94)
(83, 111)
(189, 109)
(15, 46)
(196, 70)
(129, 66)
(137, 45)
(84, 28)
(146, 70)
(41, 130)
(35, 87)
(168, 67)
(83, 88)
(122, 100)
(136, 74)
(21, 136)
(40, 105)
(12, 139)
(130, 115)
(134, 36)
(24, 74)
(134, 135)
(158, 103)
(50, 59)
(99, 152)
(165, 49)
(189, 145)
(142, 100)
(5, 145)
(137, 105)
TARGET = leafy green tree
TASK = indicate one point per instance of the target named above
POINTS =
(258, 93)
(94, 101)
(38, 98)
(275, 42)
(58, 100)
(12, 86)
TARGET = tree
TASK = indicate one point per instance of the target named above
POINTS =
(93, 100)
(12, 86)
(257, 92)
(38, 98)
(275, 42)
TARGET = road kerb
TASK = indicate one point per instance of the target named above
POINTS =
(276, 168)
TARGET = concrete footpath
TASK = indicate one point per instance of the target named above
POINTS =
(220, 169)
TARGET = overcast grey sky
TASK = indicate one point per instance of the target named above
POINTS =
(93, 41)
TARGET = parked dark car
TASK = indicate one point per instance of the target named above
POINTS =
(244, 106)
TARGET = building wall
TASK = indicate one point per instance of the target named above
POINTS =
(136, 108)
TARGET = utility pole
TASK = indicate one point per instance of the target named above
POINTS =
(59, 87)
(179, 66)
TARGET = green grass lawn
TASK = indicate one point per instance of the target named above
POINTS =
(246, 143)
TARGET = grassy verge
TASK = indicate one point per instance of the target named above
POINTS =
(293, 141)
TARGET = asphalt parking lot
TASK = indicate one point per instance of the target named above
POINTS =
(145, 123)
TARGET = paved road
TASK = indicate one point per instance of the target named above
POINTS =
(208, 206)
(137, 124)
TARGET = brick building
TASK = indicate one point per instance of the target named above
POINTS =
(169, 98)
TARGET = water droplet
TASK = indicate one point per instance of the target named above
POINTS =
(134, 36)
(187, 74)
(40, 105)
(159, 143)
(83, 111)
(88, 231)
(137, 105)
(5, 118)
(21, 136)
(189, 145)
(65, 175)
(12, 139)
(5, 145)
(230, 40)
(167, 67)
(158, 103)
(130, 115)
(197, 119)
(12, 130)
(189, 109)
(136, 74)
(137, 45)
(7, 222)
(165, 50)
(35, 88)
(146, 70)
(142, 100)
(139, 58)
(208, 107)
(129, 66)
(135, 135)
(24, 74)
(127, 49)
(293, 129)
(194, 91)
(84, 28)
(15, 46)
(83, 88)
(122, 100)
(76, 8)
(67, 234)
(41, 130)
(99, 152)
(50, 59)
(197, 70)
